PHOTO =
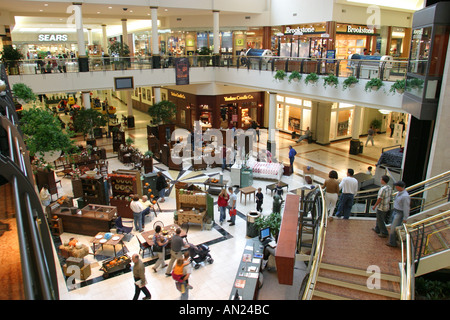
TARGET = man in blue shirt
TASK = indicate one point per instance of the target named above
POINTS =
(400, 213)
(292, 154)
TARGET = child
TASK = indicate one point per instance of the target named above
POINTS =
(177, 274)
(279, 189)
(259, 200)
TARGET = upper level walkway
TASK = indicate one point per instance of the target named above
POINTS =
(256, 74)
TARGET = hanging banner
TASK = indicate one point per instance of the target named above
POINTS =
(182, 71)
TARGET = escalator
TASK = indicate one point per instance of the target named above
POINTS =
(28, 270)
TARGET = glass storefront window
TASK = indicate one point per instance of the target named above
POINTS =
(307, 103)
(280, 98)
(420, 48)
(294, 101)
(294, 120)
(344, 125)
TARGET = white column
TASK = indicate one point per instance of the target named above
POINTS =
(80, 31)
(90, 42)
(216, 38)
(157, 94)
(272, 116)
(129, 103)
(356, 123)
(86, 99)
(104, 40)
(124, 32)
(155, 40)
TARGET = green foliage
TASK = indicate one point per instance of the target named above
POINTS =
(312, 77)
(129, 141)
(11, 54)
(295, 75)
(273, 221)
(414, 83)
(86, 120)
(120, 49)
(148, 154)
(376, 123)
(331, 80)
(349, 81)
(162, 112)
(22, 91)
(432, 289)
(204, 55)
(373, 83)
(280, 75)
(43, 132)
(399, 85)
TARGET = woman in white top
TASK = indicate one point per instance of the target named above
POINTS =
(45, 196)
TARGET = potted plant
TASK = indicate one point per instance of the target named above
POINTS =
(121, 50)
(414, 83)
(204, 56)
(129, 141)
(162, 112)
(311, 78)
(273, 221)
(295, 76)
(373, 84)
(22, 92)
(398, 86)
(280, 75)
(350, 82)
(376, 124)
(147, 161)
(85, 120)
(11, 57)
(331, 80)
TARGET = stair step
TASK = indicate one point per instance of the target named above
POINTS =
(327, 295)
(345, 293)
(357, 287)
(358, 272)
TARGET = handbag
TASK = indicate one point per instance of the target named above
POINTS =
(233, 212)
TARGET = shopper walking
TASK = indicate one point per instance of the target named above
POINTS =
(45, 196)
(292, 154)
(259, 200)
(232, 206)
(349, 188)
(176, 245)
(331, 186)
(383, 206)
(139, 278)
(400, 213)
(161, 186)
(222, 202)
(159, 246)
(370, 135)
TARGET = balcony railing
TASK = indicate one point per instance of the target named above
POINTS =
(390, 70)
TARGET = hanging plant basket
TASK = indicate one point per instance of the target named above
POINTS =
(350, 82)
(373, 85)
(312, 78)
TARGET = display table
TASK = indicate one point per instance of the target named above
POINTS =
(170, 229)
(248, 278)
(87, 221)
(272, 187)
(191, 217)
(248, 191)
(113, 241)
(214, 187)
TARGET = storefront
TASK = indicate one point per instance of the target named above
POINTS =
(341, 121)
(352, 39)
(293, 114)
(303, 41)
(221, 111)
(38, 45)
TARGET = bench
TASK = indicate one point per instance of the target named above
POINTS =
(287, 240)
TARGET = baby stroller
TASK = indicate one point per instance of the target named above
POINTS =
(199, 254)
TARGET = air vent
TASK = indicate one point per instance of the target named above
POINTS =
(344, 11)
(247, 17)
(294, 14)
(178, 19)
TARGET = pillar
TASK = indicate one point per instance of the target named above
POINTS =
(157, 93)
(90, 42)
(321, 116)
(83, 63)
(156, 58)
(216, 38)
(271, 139)
(86, 99)
(104, 40)
(356, 124)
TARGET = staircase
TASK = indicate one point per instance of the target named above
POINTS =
(352, 251)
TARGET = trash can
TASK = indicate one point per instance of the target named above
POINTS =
(354, 146)
(361, 147)
(252, 229)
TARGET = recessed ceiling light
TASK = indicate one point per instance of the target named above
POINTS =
(166, 9)
(109, 7)
(45, 4)
(98, 12)
(41, 10)
(131, 10)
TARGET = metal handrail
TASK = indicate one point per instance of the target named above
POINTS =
(407, 266)
(318, 248)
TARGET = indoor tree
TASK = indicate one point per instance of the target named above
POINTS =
(86, 120)
(11, 57)
(162, 112)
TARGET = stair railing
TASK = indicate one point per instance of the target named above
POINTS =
(317, 248)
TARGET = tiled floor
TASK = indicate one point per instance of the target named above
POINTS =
(212, 281)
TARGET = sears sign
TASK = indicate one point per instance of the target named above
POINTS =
(53, 37)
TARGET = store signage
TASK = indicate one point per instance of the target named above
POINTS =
(178, 95)
(350, 29)
(299, 30)
(53, 37)
(244, 97)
